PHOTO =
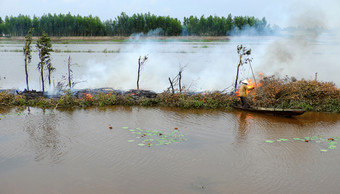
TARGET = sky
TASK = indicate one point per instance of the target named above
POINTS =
(277, 12)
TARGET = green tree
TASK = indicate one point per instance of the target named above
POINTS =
(2, 27)
(36, 26)
(27, 53)
(44, 46)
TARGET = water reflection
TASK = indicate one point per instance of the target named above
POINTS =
(4, 110)
(43, 137)
(243, 124)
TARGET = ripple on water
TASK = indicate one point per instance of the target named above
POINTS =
(224, 151)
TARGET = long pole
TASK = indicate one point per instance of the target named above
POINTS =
(253, 74)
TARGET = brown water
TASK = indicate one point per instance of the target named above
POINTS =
(74, 151)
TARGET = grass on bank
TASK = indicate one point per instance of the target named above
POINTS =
(274, 93)
(209, 101)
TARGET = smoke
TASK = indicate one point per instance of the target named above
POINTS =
(206, 66)
(309, 45)
(248, 30)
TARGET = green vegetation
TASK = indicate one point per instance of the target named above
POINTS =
(274, 93)
(123, 25)
(208, 101)
(44, 46)
(154, 137)
(326, 143)
(221, 26)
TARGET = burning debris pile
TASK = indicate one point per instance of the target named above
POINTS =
(30, 94)
(269, 92)
(313, 95)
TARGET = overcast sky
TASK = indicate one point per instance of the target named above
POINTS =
(279, 12)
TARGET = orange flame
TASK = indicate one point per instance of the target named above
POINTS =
(88, 97)
(252, 85)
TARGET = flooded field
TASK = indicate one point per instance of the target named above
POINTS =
(207, 65)
(190, 151)
(163, 150)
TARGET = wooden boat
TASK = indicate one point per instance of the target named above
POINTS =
(274, 111)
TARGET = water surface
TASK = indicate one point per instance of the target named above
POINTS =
(75, 151)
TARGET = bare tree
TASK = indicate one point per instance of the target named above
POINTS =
(69, 72)
(141, 62)
(242, 51)
(177, 80)
(171, 86)
(27, 52)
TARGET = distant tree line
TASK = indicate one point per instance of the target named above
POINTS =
(221, 26)
(124, 25)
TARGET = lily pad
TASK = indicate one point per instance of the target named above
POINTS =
(307, 138)
(141, 144)
(131, 140)
(323, 150)
(269, 141)
(125, 127)
(332, 143)
(131, 130)
(298, 139)
(281, 139)
(332, 147)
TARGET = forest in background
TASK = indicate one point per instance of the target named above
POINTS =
(125, 25)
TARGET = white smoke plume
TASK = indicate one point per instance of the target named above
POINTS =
(310, 45)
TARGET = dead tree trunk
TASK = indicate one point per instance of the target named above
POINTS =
(49, 77)
(238, 70)
(26, 70)
(69, 72)
(172, 86)
(179, 81)
(42, 77)
(141, 62)
(138, 75)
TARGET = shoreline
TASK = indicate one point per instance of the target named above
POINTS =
(135, 38)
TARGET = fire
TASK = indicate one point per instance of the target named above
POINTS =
(252, 85)
(88, 96)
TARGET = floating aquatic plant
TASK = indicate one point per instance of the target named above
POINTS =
(155, 137)
(332, 141)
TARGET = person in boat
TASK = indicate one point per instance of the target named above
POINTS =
(243, 93)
